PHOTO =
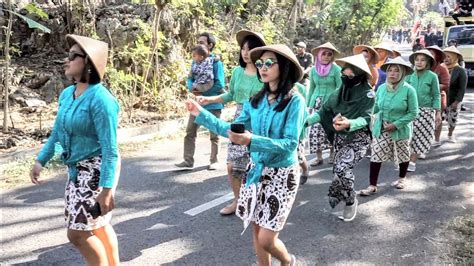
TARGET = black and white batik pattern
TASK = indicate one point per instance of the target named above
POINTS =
(348, 154)
(384, 148)
(423, 131)
(451, 115)
(275, 195)
(318, 140)
(301, 152)
(238, 155)
(81, 197)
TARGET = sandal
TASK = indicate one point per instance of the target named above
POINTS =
(303, 179)
(331, 160)
(317, 162)
(368, 191)
(228, 210)
(400, 183)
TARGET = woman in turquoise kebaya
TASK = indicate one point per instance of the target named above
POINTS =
(275, 116)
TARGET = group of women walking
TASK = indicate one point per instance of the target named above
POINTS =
(342, 112)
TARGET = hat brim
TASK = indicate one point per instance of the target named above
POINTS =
(343, 62)
(242, 34)
(359, 48)
(256, 53)
(428, 54)
(437, 50)
(315, 52)
(408, 69)
(96, 51)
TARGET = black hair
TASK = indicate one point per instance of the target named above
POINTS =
(288, 78)
(210, 39)
(252, 42)
(89, 74)
(201, 50)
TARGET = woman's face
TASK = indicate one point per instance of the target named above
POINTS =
(348, 72)
(245, 53)
(367, 56)
(450, 58)
(420, 62)
(267, 66)
(393, 74)
(326, 56)
(75, 62)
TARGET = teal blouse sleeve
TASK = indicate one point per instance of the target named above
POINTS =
(412, 111)
(105, 117)
(312, 86)
(291, 133)
(217, 126)
(338, 77)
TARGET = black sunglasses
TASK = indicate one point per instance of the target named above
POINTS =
(259, 64)
(72, 55)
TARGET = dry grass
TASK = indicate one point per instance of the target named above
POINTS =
(461, 231)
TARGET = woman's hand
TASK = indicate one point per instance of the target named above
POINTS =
(438, 118)
(341, 123)
(202, 100)
(240, 138)
(106, 201)
(35, 173)
(193, 107)
(390, 127)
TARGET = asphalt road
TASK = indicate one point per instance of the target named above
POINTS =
(154, 201)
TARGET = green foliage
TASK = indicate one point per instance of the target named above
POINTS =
(32, 8)
(433, 18)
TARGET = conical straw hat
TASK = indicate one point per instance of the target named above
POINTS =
(453, 49)
(437, 50)
(359, 48)
(242, 34)
(398, 61)
(282, 50)
(357, 60)
(96, 50)
(327, 45)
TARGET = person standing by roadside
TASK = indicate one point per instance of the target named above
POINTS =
(86, 128)
(371, 57)
(306, 61)
(396, 106)
(457, 88)
(345, 117)
(273, 121)
(426, 85)
(208, 40)
(325, 78)
(244, 84)
(443, 78)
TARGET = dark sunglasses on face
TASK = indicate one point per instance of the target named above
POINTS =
(259, 64)
(72, 55)
(326, 54)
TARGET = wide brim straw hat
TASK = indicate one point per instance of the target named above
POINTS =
(242, 34)
(385, 47)
(437, 50)
(282, 50)
(453, 49)
(327, 45)
(357, 60)
(396, 53)
(96, 51)
(398, 61)
(424, 52)
(359, 48)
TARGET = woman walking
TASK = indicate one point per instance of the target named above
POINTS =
(86, 128)
(345, 117)
(244, 83)
(457, 88)
(426, 85)
(443, 77)
(275, 115)
(396, 106)
(371, 57)
(325, 78)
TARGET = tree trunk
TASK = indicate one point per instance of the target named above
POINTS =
(6, 81)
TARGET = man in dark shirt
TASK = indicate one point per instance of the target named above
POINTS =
(430, 37)
(305, 59)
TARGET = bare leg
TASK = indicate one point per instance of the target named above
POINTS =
(108, 238)
(304, 166)
(450, 131)
(89, 246)
(438, 131)
(263, 256)
(319, 155)
(269, 241)
(413, 157)
(235, 185)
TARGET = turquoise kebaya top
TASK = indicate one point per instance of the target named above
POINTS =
(242, 86)
(323, 86)
(426, 85)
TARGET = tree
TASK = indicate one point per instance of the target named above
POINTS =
(6, 81)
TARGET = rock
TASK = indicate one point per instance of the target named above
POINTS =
(18, 97)
(35, 103)
(51, 89)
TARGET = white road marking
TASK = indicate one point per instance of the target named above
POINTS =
(209, 205)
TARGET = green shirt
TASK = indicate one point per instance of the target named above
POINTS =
(426, 85)
(323, 86)
(242, 86)
(399, 107)
(302, 90)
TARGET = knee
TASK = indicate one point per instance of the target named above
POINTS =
(266, 243)
(76, 237)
